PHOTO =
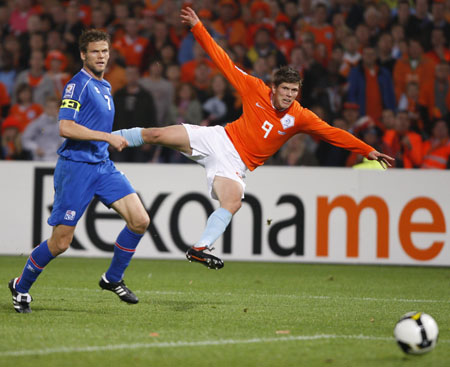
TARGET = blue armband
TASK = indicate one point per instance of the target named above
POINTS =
(133, 136)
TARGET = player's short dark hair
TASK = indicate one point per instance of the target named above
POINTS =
(92, 35)
(287, 74)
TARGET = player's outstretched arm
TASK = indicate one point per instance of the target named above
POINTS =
(223, 62)
(133, 136)
(383, 159)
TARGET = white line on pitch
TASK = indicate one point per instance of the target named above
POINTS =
(295, 296)
(220, 342)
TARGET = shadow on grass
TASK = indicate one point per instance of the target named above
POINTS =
(180, 305)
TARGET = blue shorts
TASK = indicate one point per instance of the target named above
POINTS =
(76, 183)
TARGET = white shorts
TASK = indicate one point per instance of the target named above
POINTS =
(212, 149)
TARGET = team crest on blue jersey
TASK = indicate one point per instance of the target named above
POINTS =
(287, 121)
(69, 90)
(70, 215)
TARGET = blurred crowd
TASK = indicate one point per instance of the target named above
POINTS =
(378, 69)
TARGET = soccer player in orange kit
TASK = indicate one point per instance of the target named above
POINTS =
(271, 115)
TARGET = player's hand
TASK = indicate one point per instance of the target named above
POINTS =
(118, 142)
(189, 17)
(383, 159)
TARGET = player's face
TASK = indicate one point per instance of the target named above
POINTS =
(96, 57)
(284, 95)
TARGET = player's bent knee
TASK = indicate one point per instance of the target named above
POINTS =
(64, 246)
(233, 207)
(139, 224)
(57, 247)
(60, 239)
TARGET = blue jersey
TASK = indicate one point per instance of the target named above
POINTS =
(88, 102)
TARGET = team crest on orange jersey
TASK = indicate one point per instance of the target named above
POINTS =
(287, 121)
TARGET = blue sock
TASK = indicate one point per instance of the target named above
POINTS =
(38, 259)
(124, 249)
(133, 136)
(215, 226)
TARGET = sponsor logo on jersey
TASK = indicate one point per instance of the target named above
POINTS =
(70, 103)
(69, 90)
(281, 132)
(70, 215)
(287, 121)
(97, 90)
(258, 105)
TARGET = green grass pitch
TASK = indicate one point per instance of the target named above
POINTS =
(247, 314)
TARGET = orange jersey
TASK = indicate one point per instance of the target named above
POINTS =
(131, 49)
(323, 35)
(26, 115)
(261, 130)
(436, 154)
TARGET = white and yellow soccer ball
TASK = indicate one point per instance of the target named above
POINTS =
(416, 333)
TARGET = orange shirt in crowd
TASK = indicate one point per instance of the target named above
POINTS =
(285, 46)
(412, 157)
(324, 35)
(374, 104)
(432, 55)
(25, 114)
(262, 130)
(34, 80)
(235, 31)
(131, 49)
(188, 69)
(85, 14)
(436, 154)
(403, 72)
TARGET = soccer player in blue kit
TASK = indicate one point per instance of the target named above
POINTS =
(83, 171)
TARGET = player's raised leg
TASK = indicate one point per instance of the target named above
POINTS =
(229, 193)
(137, 219)
(174, 136)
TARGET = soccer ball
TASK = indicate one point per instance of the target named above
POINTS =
(416, 333)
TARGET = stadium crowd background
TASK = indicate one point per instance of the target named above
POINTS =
(379, 69)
